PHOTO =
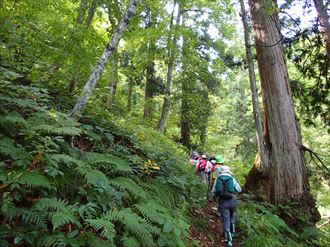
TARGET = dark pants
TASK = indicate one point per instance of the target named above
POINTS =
(227, 209)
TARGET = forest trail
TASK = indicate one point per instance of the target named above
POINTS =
(207, 227)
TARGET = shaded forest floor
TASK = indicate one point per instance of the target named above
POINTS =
(207, 227)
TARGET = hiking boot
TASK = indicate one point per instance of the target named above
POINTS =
(229, 239)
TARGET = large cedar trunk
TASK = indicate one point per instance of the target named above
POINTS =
(325, 25)
(283, 177)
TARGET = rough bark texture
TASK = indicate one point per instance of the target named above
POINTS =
(284, 178)
(325, 25)
(254, 92)
(110, 48)
(170, 67)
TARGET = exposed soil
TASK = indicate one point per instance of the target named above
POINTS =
(207, 227)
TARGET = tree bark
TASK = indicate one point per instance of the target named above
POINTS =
(82, 11)
(91, 13)
(325, 25)
(284, 177)
(170, 67)
(113, 79)
(150, 78)
(109, 50)
(130, 94)
(185, 99)
(262, 151)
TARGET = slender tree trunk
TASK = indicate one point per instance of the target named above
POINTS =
(284, 177)
(150, 78)
(130, 94)
(91, 13)
(109, 50)
(114, 61)
(262, 151)
(185, 99)
(113, 79)
(325, 26)
(149, 91)
(170, 67)
(82, 11)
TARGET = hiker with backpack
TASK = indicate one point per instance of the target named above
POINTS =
(201, 167)
(224, 189)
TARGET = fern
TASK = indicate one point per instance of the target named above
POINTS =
(13, 118)
(37, 219)
(61, 218)
(50, 129)
(130, 186)
(107, 228)
(134, 223)
(130, 241)
(89, 210)
(65, 159)
(97, 178)
(153, 212)
(34, 180)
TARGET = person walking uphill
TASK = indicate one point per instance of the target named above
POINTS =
(224, 189)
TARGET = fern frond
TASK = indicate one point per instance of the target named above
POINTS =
(130, 186)
(133, 222)
(65, 159)
(51, 130)
(91, 240)
(153, 212)
(13, 118)
(56, 204)
(107, 228)
(97, 178)
(61, 218)
(34, 180)
(89, 210)
(117, 164)
(37, 219)
(53, 240)
(17, 153)
(130, 241)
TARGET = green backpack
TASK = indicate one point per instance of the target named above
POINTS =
(224, 187)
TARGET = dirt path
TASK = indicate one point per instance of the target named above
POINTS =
(207, 227)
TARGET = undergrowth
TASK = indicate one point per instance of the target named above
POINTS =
(261, 225)
(86, 183)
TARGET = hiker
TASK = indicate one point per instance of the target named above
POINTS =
(223, 189)
(201, 166)
(218, 162)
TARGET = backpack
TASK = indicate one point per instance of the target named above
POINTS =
(202, 165)
(224, 187)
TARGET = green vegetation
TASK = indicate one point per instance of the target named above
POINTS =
(109, 177)
(87, 183)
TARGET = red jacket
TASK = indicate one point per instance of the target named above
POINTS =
(201, 165)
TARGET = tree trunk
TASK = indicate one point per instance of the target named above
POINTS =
(82, 11)
(109, 50)
(284, 177)
(325, 25)
(254, 92)
(113, 79)
(91, 13)
(130, 94)
(150, 78)
(170, 67)
(185, 99)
